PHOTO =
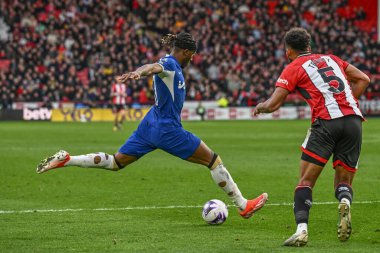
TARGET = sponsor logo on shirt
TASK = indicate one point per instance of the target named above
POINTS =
(181, 85)
(284, 81)
(163, 60)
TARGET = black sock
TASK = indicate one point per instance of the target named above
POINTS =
(302, 203)
(344, 190)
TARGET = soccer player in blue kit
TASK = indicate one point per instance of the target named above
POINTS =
(161, 128)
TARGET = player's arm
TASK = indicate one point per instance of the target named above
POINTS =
(145, 70)
(358, 80)
(113, 91)
(273, 103)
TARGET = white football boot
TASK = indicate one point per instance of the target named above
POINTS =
(344, 222)
(297, 240)
(52, 162)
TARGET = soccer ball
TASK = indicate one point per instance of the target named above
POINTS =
(215, 212)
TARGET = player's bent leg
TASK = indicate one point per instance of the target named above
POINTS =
(205, 156)
(202, 155)
(94, 160)
(344, 193)
(123, 160)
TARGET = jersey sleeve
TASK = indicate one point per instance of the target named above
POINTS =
(167, 65)
(340, 62)
(288, 79)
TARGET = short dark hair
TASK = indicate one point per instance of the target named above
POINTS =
(182, 40)
(298, 39)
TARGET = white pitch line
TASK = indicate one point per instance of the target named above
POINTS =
(154, 207)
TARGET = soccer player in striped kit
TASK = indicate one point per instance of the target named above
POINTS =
(161, 128)
(119, 103)
(331, 87)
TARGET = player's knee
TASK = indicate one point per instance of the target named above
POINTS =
(305, 182)
(215, 161)
(117, 164)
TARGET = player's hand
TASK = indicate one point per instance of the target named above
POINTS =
(130, 75)
(257, 109)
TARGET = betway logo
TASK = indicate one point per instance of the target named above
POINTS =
(284, 81)
(37, 114)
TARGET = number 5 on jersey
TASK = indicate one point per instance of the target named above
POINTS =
(328, 76)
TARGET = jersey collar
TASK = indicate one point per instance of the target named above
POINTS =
(303, 54)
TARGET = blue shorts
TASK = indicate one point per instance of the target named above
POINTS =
(174, 140)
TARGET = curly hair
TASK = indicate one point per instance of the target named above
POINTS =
(182, 40)
(298, 39)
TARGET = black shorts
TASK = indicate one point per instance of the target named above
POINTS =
(341, 137)
(118, 107)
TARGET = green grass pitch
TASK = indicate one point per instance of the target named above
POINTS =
(262, 156)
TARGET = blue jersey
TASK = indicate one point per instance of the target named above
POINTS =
(161, 128)
(170, 93)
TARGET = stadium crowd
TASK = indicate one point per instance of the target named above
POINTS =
(71, 50)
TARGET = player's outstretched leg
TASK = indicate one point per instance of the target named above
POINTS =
(57, 160)
(63, 159)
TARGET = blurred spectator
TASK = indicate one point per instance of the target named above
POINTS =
(71, 50)
(222, 101)
(201, 111)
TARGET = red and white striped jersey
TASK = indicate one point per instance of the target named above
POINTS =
(321, 81)
(119, 93)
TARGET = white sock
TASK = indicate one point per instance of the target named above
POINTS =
(223, 179)
(301, 227)
(94, 160)
(346, 201)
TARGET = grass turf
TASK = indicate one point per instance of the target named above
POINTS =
(260, 155)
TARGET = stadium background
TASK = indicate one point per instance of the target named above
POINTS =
(60, 58)
(66, 54)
